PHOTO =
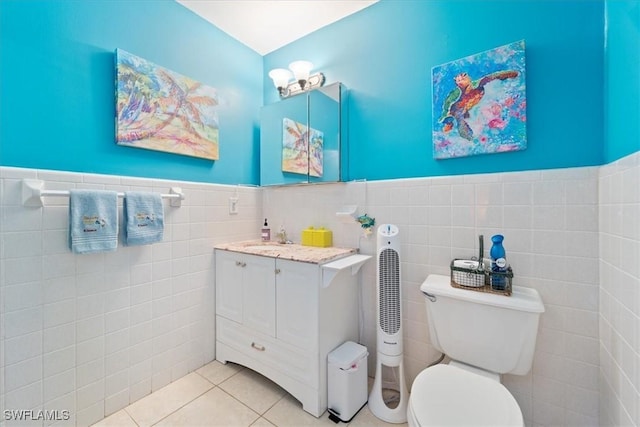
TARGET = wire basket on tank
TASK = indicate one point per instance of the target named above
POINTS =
(469, 274)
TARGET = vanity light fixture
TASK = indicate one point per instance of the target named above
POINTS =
(303, 79)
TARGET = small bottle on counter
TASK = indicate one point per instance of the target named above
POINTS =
(498, 263)
(265, 232)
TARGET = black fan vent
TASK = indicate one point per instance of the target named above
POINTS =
(389, 291)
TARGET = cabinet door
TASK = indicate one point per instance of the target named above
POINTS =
(229, 273)
(259, 294)
(297, 287)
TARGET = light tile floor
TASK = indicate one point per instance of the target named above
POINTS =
(227, 396)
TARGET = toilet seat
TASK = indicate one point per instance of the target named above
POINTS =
(445, 395)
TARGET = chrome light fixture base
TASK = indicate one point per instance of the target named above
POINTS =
(297, 87)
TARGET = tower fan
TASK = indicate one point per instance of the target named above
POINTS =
(388, 397)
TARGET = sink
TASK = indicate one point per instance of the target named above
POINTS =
(265, 247)
(289, 251)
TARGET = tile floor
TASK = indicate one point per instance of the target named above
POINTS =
(225, 395)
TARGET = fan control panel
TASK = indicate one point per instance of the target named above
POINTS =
(388, 230)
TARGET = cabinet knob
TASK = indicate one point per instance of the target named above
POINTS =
(241, 264)
(277, 271)
(257, 346)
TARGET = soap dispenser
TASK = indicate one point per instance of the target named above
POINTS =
(265, 232)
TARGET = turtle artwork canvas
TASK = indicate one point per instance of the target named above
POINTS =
(162, 110)
(479, 103)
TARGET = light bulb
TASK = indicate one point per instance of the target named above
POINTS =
(280, 77)
(301, 70)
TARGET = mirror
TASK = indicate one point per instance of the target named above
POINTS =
(302, 138)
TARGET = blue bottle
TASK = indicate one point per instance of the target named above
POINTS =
(498, 263)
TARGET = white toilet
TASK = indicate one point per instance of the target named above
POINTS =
(485, 335)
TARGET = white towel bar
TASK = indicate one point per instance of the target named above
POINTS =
(32, 194)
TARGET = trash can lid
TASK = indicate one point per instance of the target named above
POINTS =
(347, 354)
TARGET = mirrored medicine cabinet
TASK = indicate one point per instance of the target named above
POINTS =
(303, 138)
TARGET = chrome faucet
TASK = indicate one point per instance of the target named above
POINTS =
(282, 235)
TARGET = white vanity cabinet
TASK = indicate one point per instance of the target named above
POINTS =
(250, 297)
(281, 319)
(297, 300)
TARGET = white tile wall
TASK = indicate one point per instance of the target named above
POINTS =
(550, 223)
(92, 333)
(620, 292)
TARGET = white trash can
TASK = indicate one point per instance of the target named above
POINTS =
(347, 381)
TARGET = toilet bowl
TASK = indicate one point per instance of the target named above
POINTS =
(448, 395)
(485, 335)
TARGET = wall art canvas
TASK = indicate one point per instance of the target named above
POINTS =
(302, 148)
(159, 109)
(479, 103)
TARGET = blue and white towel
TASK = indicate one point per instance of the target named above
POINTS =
(93, 221)
(144, 218)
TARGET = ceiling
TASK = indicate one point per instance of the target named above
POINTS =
(267, 25)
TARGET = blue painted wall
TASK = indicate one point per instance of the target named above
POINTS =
(622, 79)
(384, 55)
(57, 101)
(57, 84)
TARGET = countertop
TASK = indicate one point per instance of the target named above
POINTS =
(294, 252)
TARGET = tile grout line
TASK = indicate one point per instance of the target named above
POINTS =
(176, 410)
(267, 410)
(129, 415)
(187, 403)
(244, 404)
(241, 402)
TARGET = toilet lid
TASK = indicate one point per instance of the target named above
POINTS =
(444, 395)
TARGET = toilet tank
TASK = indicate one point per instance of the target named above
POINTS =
(491, 331)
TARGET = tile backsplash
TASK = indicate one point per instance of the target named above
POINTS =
(92, 333)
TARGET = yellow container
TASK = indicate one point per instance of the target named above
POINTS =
(307, 236)
(322, 238)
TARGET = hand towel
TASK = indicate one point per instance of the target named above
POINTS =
(144, 216)
(93, 221)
